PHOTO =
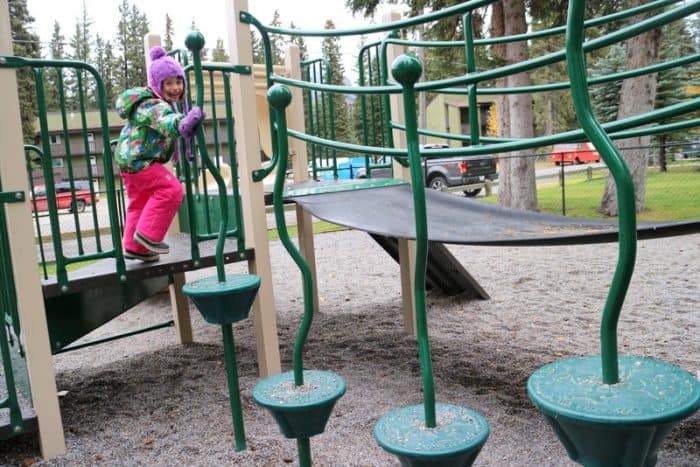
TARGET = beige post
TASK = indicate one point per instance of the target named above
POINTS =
(178, 301)
(295, 120)
(252, 195)
(407, 248)
(30, 303)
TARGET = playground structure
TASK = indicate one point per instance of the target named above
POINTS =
(400, 142)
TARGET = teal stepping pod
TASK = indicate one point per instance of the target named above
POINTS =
(619, 424)
(300, 411)
(224, 302)
(455, 441)
(610, 410)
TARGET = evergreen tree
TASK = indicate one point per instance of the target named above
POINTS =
(257, 45)
(80, 42)
(104, 63)
(676, 41)
(169, 32)
(25, 44)
(51, 82)
(277, 41)
(218, 53)
(132, 27)
(342, 118)
(605, 97)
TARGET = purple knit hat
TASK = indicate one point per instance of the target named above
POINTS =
(161, 68)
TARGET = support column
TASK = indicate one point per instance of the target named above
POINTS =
(252, 195)
(297, 149)
(407, 248)
(30, 302)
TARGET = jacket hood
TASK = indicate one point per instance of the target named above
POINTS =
(130, 99)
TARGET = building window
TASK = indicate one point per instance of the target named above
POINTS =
(91, 137)
(55, 139)
(57, 163)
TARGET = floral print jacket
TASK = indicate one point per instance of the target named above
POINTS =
(151, 132)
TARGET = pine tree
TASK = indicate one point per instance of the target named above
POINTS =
(25, 44)
(80, 42)
(277, 41)
(132, 26)
(168, 40)
(342, 119)
(104, 59)
(258, 49)
(56, 52)
(605, 97)
(676, 42)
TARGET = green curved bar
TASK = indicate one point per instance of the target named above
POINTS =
(195, 42)
(279, 97)
(625, 191)
(406, 69)
(247, 18)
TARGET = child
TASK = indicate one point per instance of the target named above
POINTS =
(150, 139)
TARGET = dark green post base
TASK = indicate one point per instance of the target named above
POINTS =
(455, 441)
(621, 424)
(300, 411)
(225, 303)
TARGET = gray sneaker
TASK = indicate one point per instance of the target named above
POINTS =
(156, 247)
(147, 257)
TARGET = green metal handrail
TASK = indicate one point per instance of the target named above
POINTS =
(195, 43)
(38, 66)
(191, 187)
(576, 66)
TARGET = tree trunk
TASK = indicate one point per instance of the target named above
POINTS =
(636, 97)
(519, 173)
(498, 51)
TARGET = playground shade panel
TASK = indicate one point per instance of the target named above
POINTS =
(388, 211)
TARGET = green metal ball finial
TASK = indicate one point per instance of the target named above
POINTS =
(279, 96)
(406, 69)
(194, 41)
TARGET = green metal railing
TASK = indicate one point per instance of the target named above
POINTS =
(203, 224)
(96, 85)
(320, 117)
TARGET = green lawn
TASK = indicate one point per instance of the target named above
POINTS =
(670, 196)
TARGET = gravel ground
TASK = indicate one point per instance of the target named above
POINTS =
(146, 400)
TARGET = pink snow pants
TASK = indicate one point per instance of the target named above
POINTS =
(154, 195)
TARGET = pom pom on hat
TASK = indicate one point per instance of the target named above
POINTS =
(157, 52)
(161, 68)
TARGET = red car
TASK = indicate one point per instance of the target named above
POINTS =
(578, 153)
(64, 197)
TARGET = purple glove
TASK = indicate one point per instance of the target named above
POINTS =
(188, 125)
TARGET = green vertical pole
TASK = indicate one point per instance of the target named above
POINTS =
(406, 69)
(234, 392)
(576, 64)
(279, 97)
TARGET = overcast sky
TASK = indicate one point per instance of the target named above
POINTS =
(209, 16)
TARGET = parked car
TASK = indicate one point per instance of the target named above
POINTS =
(449, 171)
(65, 199)
(579, 153)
